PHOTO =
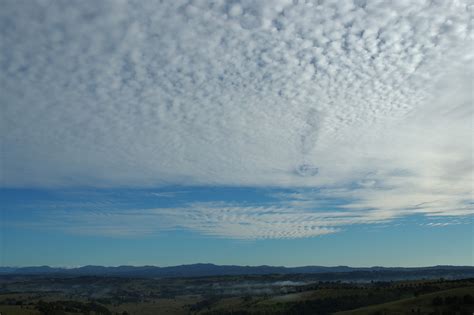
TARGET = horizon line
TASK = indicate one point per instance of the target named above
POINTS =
(232, 265)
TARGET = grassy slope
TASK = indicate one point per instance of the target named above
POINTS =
(423, 303)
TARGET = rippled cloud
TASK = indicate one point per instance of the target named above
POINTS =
(370, 101)
(295, 214)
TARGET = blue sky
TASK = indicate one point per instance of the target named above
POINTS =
(45, 227)
(247, 132)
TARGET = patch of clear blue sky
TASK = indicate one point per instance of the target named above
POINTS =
(404, 242)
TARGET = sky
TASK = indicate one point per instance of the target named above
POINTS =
(279, 132)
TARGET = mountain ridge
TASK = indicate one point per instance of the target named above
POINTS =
(208, 269)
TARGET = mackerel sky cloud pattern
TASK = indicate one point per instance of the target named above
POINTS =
(368, 101)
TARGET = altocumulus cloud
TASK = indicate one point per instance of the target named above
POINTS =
(369, 100)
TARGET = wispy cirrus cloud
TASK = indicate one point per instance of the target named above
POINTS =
(297, 214)
(220, 220)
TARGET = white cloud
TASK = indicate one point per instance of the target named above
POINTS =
(280, 93)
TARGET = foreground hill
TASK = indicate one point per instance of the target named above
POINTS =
(230, 295)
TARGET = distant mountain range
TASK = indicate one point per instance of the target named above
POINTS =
(201, 270)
